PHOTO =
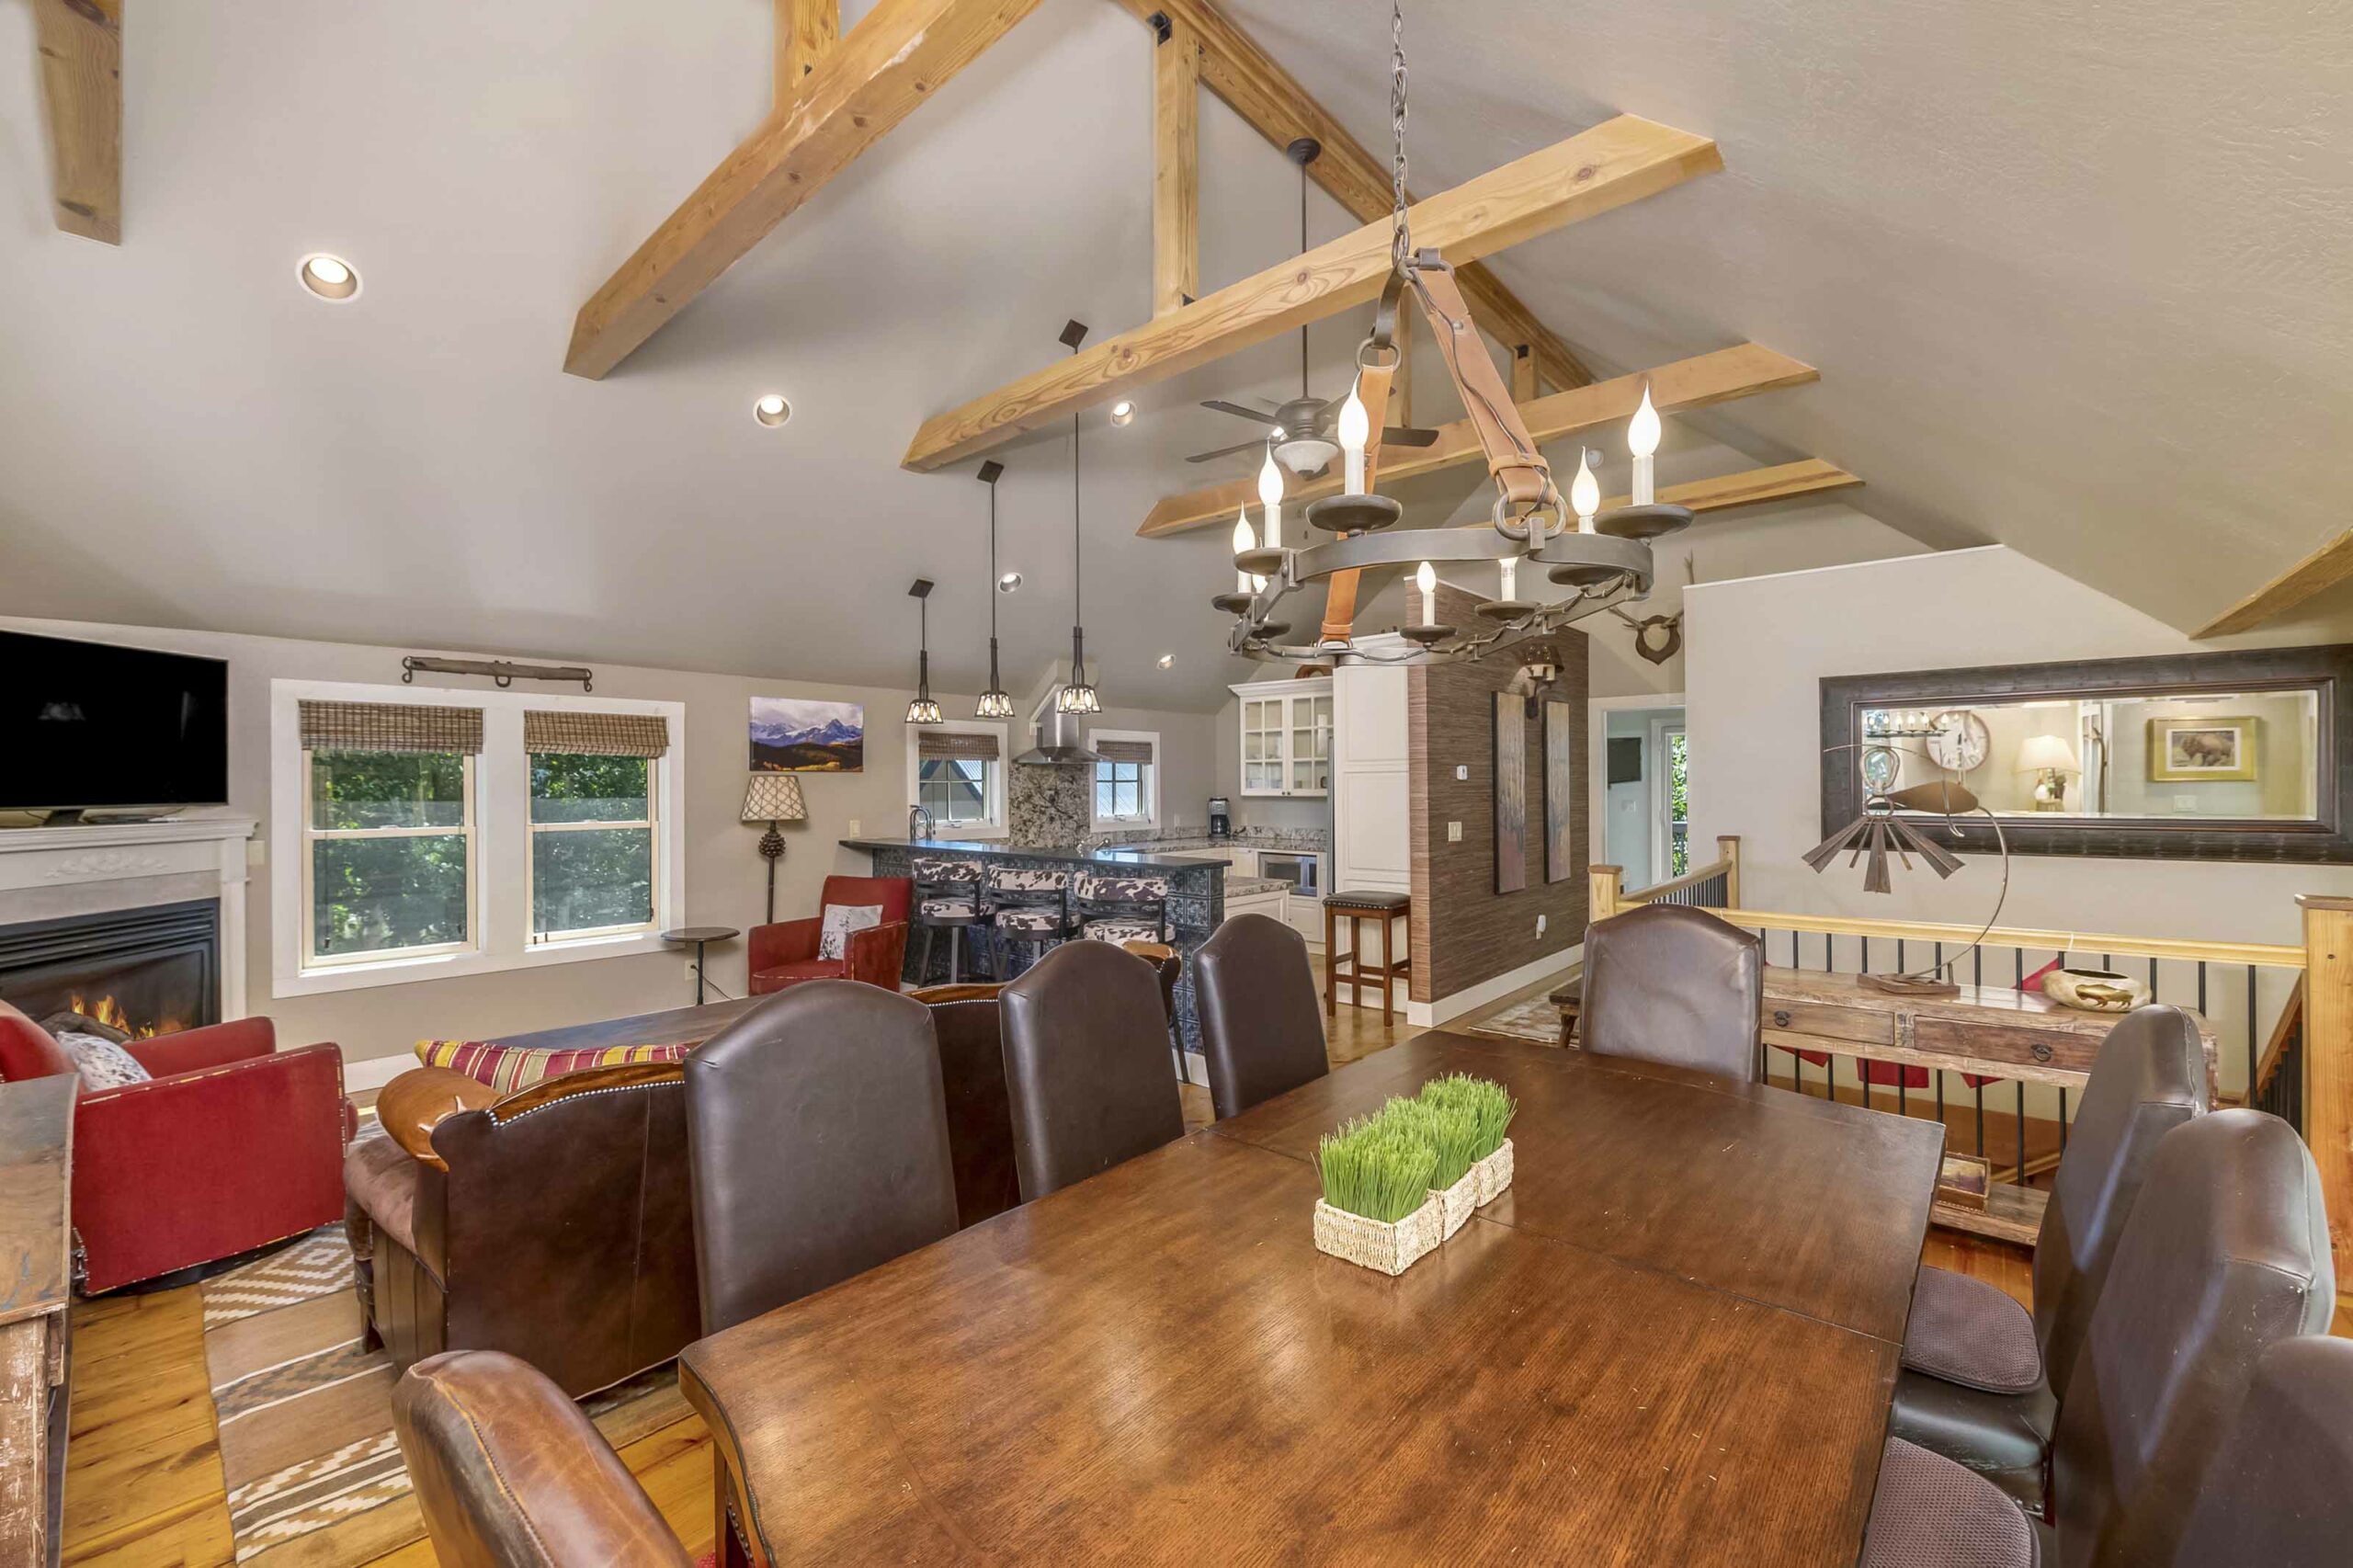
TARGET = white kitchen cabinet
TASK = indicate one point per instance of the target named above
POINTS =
(1269, 904)
(1244, 861)
(1287, 737)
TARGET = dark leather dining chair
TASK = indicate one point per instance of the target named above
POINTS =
(1262, 1023)
(817, 1144)
(2226, 1253)
(508, 1472)
(2279, 1491)
(1981, 1373)
(1675, 985)
(965, 1024)
(1086, 1065)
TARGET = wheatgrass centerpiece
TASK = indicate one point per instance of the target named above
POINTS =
(1399, 1182)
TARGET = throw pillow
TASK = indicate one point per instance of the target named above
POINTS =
(102, 1063)
(841, 919)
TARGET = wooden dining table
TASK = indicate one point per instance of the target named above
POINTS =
(1673, 1341)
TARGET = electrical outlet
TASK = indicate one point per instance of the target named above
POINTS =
(257, 851)
(1454, 833)
(1540, 925)
(691, 967)
(1461, 773)
(2185, 802)
(855, 825)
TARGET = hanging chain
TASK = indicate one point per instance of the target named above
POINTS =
(1401, 241)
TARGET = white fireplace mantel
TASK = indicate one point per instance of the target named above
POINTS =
(48, 873)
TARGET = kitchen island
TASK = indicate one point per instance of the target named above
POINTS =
(1196, 893)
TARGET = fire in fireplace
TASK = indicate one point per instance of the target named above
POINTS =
(141, 971)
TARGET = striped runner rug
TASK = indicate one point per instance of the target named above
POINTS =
(1535, 1019)
(313, 1474)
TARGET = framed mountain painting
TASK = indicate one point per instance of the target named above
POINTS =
(796, 734)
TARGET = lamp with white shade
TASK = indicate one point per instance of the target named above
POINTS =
(2053, 759)
(773, 798)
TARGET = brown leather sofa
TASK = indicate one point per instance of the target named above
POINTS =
(554, 1223)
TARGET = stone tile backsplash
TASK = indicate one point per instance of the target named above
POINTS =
(1047, 806)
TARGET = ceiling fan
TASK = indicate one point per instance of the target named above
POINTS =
(1299, 431)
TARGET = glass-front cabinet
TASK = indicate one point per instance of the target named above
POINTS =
(1286, 737)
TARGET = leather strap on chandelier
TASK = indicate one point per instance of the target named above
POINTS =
(1519, 470)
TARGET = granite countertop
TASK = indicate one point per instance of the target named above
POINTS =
(993, 848)
(1251, 887)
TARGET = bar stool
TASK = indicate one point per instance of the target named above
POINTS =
(948, 898)
(1025, 909)
(1121, 909)
(1355, 908)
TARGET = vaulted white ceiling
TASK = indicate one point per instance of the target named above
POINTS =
(2078, 278)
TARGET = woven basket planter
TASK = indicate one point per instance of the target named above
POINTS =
(1456, 1203)
(1493, 1174)
(1388, 1249)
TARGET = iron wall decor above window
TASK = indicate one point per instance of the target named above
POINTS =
(2198, 757)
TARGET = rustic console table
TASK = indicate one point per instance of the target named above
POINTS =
(36, 1298)
(2021, 1036)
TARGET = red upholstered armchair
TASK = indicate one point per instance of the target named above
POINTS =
(786, 953)
(230, 1145)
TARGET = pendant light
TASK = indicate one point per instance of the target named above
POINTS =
(923, 710)
(995, 703)
(1079, 695)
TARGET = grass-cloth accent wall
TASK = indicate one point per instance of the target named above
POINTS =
(1464, 932)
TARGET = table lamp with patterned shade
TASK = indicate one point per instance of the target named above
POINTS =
(773, 798)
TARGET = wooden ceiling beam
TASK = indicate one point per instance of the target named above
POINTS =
(1696, 382)
(79, 43)
(806, 31)
(2325, 568)
(1175, 169)
(877, 74)
(1620, 161)
(1247, 79)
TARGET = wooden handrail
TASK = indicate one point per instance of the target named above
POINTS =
(1688, 879)
(1608, 895)
(2263, 954)
(2288, 1028)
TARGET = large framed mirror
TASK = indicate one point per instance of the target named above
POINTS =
(2208, 757)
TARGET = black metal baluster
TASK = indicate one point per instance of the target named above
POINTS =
(2251, 1063)
(2021, 1131)
(2063, 1124)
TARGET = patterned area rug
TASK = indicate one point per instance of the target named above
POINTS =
(313, 1472)
(1535, 1019)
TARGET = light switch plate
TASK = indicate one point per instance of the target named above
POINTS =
(854, 825)
(1454, 833)
(1462, 772)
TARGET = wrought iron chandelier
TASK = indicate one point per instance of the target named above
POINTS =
(1602, 558)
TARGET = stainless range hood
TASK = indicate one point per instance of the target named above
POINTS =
(1058, 741)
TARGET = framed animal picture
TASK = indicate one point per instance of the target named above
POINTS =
(2195, 749)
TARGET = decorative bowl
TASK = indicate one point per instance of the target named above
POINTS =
(2095, 990)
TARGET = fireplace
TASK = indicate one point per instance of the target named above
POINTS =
(146, 972)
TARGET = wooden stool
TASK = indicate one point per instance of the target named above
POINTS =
(1355, 908)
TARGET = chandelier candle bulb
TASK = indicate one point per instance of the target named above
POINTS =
(1584, 492)
(1355, 429)
(1270, 495)
(1244, 541)
(1426, 580)
(1641, 439)
(1509, 566)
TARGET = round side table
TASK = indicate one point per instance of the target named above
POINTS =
(700, 935)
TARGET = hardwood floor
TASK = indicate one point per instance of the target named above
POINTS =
(143, 1473)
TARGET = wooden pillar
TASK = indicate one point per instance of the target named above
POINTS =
(1607, 882)
(1728, 851)
(79, 43)
(2328, 1073)
(1175, 168)
(806, 30)
(1523, 374)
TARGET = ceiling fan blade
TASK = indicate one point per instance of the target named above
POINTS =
(1255, 415)
(1225, 451)
(1408, 436)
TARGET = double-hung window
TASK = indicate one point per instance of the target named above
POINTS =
(388, 848)
(1126, 793)
(959, 773)
(594, 840)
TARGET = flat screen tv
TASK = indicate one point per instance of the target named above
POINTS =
(87, 725)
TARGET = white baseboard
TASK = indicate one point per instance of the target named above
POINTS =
(1429, 1014)
(375, 1072)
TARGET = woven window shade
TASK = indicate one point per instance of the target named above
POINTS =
(1124, 751)
(596, 734)
(935, 746)
(390, 726)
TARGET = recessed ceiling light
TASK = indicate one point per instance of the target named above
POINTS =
(772, 410)
(1009, 582)
(329, 277)
(1123, 413)
(1167, 661)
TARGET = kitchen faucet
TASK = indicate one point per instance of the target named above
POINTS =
(919, 822)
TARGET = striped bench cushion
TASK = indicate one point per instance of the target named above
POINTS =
(507, 1068)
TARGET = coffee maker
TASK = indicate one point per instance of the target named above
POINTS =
(1221, 817)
